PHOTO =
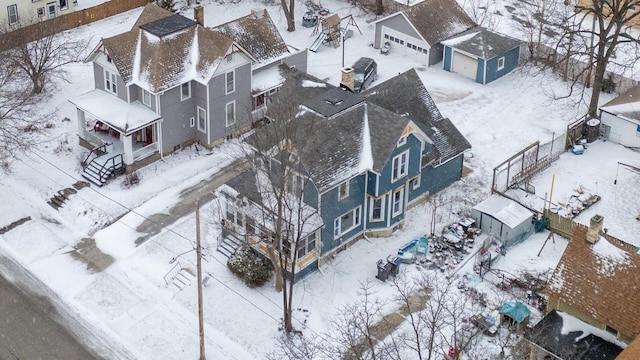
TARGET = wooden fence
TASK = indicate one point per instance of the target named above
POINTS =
(72, 20)
(564, 227)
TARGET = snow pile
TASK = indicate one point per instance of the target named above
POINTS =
(366, 156)
(609, 256)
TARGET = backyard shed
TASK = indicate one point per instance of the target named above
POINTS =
(516, 311)
(503, 218)
(481, 55)
(621, 118)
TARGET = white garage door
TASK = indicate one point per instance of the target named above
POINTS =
(464, 65)
(402, 44)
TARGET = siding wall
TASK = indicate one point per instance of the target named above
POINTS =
(176, 126)
(511, 61)
(218, 100)
(398, 23)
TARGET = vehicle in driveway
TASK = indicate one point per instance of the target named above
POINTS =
(365, 71)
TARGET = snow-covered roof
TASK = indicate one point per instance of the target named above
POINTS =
(266, 79)
(482, 43)
(593, 278)
(117, 113)
(438, 20)
(258, 35)
(629, 111)
(160, 60)
(505, 210)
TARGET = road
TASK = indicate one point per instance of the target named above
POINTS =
(35, 323)
(27, 330)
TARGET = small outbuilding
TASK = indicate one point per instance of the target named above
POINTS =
(503, 218)
(481, 55)
(621, 118)
(515, 312)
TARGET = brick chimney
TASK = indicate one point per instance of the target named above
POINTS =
(347, 79)
(198, 14)
(595, 228)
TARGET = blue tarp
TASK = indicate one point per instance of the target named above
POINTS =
(515, 310)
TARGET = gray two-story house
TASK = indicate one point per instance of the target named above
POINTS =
(360, 160)
(165, 84)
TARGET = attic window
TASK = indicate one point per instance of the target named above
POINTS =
(402, 140)
(611, 331)
(108, 58)
(229, 58)
(334, 101)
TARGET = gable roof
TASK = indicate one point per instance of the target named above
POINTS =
(594, 278)
(625, 105)
(258, 35)
(482, 43)
(150, 13)
(406, 95)
(181, 51)
(438, 20)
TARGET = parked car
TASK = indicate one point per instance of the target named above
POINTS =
(365, 71)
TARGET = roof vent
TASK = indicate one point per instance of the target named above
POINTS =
(595, 227)
(334, 101)
(258, 12)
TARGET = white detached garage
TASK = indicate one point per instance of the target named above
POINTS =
(419, 30)
(503, 218)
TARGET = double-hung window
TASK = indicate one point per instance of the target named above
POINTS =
(12, 13)
(110, 81)
(230, 110)
(501, 63)
(230, 81)
(397, 202)
(400, 166)
(146, 97)
(202, 119)
(347, 222)
(377, 209)
(185, 91)
(343, 190)
(306, 245)
(63, 5)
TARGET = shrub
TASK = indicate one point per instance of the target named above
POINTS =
(252, 268)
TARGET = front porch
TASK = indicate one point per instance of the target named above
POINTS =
(119, 128)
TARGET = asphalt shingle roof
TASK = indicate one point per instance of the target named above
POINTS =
(595, 284)
(258, 35)
(483, 43)
(438, 20)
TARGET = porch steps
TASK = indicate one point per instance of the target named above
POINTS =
(92, 173)
(182, 280)
(229, 245)
(58, 200)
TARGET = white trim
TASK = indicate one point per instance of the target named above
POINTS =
(15, 14)
(403, 169)
(337, 222)
(226, 89)
(112, 78)
(226, 113)
(346, 193)
(503, 61)
(382, 208)
(145, 92)
(400, 203)
(188, 96)
(416, 182)
(192, 121)
(204, 119)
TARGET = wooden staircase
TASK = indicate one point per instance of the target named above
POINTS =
(98, 167)
(229, 245)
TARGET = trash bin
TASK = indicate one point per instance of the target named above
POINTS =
(384, 269)
(394, 261)
(309, 19)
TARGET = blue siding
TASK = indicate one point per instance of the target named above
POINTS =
(437, 178)
(381, 224)
(480, 71)
(371, 184)
(511, 59)
(332, 208)
(386, 183)
(305, 271)
(446, 63)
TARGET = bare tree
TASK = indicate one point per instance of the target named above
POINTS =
(435, 203)
(288, 7)
(298, 347)
(539, 20)
(43, 60)
(290, 229)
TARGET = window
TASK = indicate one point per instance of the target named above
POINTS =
(51, 10)
(40, 12)
(231, 113)
(346, 222)
(231, 213)
(13, 14)
(386, 36)
(295, 183)
(343, 190)
(377, 209)
(63, 4)
(229, 58)
(415, 183)
(230, 81)
(110, 81)
(202, 119)
(611, 330)
(146, 97)
(397, 202)
(402, 140)
(501, 63)
(185, 91)
(307, 245)
(109, 59)
(251, 225)
(400, 165)
(192, 121)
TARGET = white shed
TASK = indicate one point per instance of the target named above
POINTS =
(504, 218)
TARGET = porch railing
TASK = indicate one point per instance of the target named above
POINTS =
(95, 152)
(113, 164)
(258, 113)
(145, 151)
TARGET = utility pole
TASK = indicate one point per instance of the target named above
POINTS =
(199, 271)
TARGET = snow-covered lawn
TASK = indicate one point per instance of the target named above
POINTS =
(130, 303)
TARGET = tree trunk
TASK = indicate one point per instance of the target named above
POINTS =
(289, 14)
(276, 268)
(379, 8)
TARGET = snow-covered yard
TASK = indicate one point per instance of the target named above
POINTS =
(129, 302)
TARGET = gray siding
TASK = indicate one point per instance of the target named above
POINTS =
(176, 127)
(98, 75)
(218, 100)
(298, 60)
(435, 53)
(398, 23)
